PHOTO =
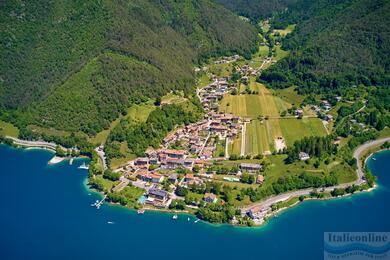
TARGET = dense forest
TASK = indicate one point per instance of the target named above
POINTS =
(335, 45)
(256, 9)
(75, 65)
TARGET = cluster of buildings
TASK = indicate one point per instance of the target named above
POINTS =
(247, 71)
(323, 108)
(229, 59)
(213, 93)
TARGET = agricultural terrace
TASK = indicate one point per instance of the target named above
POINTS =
(261, 133)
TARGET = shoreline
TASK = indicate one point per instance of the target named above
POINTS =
(268, 215)
(275, 213)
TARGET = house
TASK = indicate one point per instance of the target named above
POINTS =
(143, 175)
(210, 198)
(221, 130)
(172, 178)
(303, 156)
(157, 194)
(142, 161)
(260, 179)
(298, 112)
(172, 163)
(153, 160)
(156, 178)
(189, 163)
(188, 177)
(328, 117)
(250, 167)
(254, 212)
(178, 154)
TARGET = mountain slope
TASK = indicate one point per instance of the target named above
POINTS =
(75, 65)
(256, 9)
(336, 44)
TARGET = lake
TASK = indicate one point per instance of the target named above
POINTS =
(45, 213)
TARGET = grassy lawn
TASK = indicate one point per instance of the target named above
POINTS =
(221, 70)
(203, 81)
(127, 156)
(8, 129)
(220, 148)
(280, 54)
(285, 31)
(289, 95)
(384, 133)
(107, 184)
(172, 98)
(296, 129)
(258, 58)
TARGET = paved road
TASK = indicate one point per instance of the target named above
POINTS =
(42, 144)
(360, 173)
(359, 152)
(102, 155)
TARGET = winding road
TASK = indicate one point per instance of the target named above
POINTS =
(360, 173)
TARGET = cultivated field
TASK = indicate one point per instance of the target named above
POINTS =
(257, 138)
(295, 129)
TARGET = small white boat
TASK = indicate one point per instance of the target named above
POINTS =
(84, 167)
(373, 158)
(141, 211)
(95, 204)
(174, 216)
(188, 219)
(196, 221)
(110, 222)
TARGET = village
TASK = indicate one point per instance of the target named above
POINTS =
(187, 153)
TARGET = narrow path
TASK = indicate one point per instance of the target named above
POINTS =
(360, 174)
(227, 148)
(243, 136)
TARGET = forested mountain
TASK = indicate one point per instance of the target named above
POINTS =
(75, 65)
(336, 45)
(256, 9)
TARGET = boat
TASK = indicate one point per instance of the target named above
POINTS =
(196, 221)
(373, 158)
(174, 216)
(141, 211)
(188, 219)
(84, 166)
(110, 222)
(95, 204)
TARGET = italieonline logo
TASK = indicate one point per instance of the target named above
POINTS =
(357, 245)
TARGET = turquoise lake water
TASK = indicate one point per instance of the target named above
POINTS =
(45, 213)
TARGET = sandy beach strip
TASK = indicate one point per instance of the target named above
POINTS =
(56, 159)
